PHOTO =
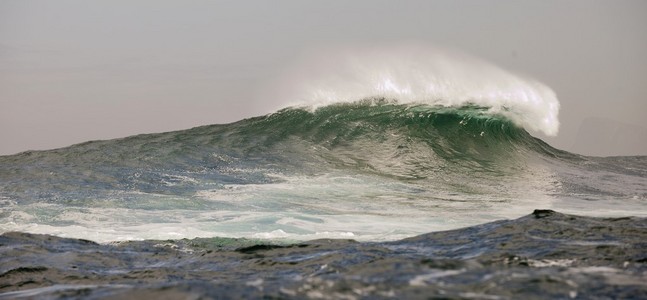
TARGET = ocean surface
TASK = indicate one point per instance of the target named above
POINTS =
(407, 179)
(370, 170)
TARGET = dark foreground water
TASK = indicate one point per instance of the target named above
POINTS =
(544, 255)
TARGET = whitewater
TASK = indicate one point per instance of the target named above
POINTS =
(378, 146)
(417, 74)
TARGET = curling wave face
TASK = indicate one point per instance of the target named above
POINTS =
(370, 170)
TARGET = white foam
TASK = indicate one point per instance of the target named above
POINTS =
(422, 75)
(422, 280)
(335, 205)
(543, 263)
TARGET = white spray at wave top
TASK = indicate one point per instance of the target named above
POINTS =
(421, 75)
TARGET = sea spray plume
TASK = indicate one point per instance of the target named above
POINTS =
(416, 74)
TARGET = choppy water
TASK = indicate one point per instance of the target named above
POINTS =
(544, 255)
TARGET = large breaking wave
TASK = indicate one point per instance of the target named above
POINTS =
(373, 136)
(389, 148)
(372, 169)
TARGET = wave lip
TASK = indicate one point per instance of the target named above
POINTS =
(420, 75)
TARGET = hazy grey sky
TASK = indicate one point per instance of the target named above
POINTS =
(72, 71)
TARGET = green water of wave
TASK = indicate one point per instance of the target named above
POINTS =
(375, 137)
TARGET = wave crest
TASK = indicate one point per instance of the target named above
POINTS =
(420, 75)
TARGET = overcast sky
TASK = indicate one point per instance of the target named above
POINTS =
(72, 71)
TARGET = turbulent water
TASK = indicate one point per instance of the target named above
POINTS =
(402, 145)
(545, 255)
(369, 170)
(376, 170)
